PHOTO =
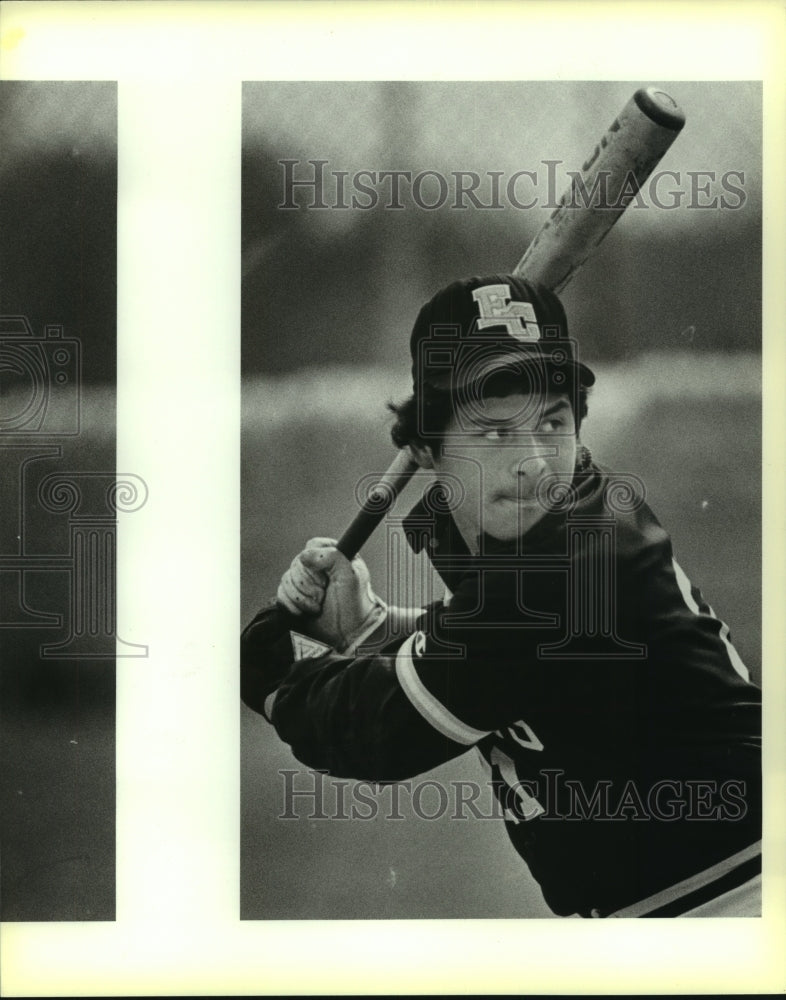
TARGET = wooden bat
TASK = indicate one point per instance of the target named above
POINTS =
(599, 193)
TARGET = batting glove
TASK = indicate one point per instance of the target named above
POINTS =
(333, 594)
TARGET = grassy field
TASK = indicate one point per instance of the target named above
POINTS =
(688, 426)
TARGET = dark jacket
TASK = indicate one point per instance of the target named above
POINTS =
(618, 724)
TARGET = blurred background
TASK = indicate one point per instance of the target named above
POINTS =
(667, 311)
(58, 261)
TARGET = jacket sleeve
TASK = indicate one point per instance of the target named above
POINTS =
(412, 704)
(265, 656)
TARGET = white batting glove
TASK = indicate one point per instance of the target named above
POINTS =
(333, 595)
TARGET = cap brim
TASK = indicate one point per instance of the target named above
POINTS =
(514, 362)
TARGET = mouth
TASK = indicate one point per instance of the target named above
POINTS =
(523, 494)
(519, 499)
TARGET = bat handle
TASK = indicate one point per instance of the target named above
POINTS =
(380, 499)
(276, 620)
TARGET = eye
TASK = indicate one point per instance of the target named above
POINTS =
(497, 434)
(553, 424)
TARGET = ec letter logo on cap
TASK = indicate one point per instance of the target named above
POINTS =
(496, 309)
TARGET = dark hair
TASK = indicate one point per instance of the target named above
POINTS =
(423, 420)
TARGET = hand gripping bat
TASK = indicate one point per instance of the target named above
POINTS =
(598, 194)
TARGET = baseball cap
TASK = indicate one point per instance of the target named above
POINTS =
(477, 327)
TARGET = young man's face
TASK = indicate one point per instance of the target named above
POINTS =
(500, 451)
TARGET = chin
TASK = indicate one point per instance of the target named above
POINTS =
(510, 532)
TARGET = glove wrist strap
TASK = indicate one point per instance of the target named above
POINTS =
(370, 623)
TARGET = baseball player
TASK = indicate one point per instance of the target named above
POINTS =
(618, 725)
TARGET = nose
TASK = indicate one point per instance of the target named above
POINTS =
(530, 461)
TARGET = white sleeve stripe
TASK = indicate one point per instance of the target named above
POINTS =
(734, 656)
(432, 710)
(685, 589)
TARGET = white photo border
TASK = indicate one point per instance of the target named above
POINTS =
(179, 68)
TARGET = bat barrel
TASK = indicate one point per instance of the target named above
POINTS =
(609, 180)
(660, 108)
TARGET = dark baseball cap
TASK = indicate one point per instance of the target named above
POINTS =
(477, 327)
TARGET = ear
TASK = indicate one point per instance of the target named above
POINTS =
(583, 457)
(422, 454)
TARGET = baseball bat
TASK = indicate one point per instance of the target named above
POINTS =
(598, 194)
